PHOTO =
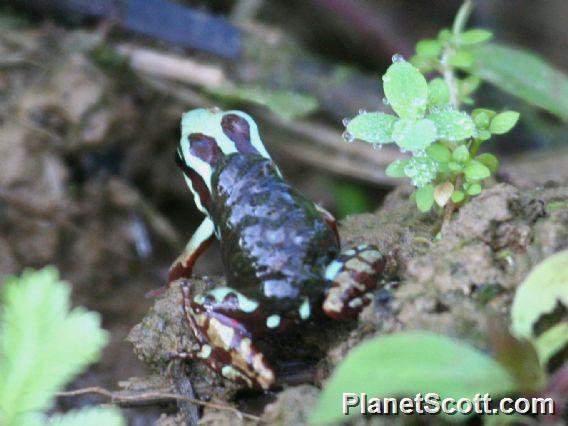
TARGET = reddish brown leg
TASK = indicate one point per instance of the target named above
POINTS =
(200, 240)
(330, 220)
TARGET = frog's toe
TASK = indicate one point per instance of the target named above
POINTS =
(352, 276)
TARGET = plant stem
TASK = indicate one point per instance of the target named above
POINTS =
(461, 17)
(450, 79)
(447, 70)
(475, 147)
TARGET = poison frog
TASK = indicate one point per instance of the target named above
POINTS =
(280, 251)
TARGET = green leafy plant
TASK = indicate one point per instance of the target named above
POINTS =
(443, 140)
(44, 345)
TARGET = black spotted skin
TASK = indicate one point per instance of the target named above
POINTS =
(276, 245)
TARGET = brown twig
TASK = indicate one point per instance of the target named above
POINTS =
(124, 399)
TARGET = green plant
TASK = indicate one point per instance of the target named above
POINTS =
(408, 363)
(443, 140)
(44, 345)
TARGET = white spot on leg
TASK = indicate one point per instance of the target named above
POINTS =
(305, 309)
(332, 269)
(205, 352)
(355, 303)
(273, 321)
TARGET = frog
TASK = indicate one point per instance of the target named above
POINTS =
(281, 252)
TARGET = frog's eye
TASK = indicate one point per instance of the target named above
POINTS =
(237, 129)
(205, 148)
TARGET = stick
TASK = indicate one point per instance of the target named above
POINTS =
(126, 398)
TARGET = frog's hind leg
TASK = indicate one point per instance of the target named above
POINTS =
(217, 319)
(351, 279)
(199, 242)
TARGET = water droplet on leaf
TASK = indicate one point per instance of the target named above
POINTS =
(347, 137)
(397, 57)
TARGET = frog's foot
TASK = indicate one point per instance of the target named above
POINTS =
(352, 277)
(218, 320)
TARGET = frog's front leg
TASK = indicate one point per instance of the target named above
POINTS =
(218, 320)
(351, 279)
(200, 240)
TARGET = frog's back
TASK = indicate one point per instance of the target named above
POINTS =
(274, 242)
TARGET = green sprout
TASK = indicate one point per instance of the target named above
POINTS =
(428, 123)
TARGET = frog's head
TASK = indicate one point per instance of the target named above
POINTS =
(207, 135)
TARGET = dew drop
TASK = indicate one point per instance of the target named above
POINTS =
(386, 101)
(377, 146)
(362, 111)
(346, 121)
(347, 137)
(397, 57)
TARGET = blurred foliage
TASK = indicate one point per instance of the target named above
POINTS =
(523, 74)
(350, 198)
(43, 346)
(410, 363)
(284, 103)
(543, 291)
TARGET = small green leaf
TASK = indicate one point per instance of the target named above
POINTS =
(452, 125)
(489, 160)
(396, 169)
(474, 189)
(483, 135)
(439, 153)
(423, 64)
(455, 167)
(540, 293)
(503, 122)
(462, 59)
(425, 198)
(413, 135)
(438, 92)
(429, 48)
(461, 154)
(458, 196)
(405, 364)
(481, 121)
(406, 90)
(475, 171)
(475, 36)
(421, 170)
(468, 85)
(372, 127)
(489, 112)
